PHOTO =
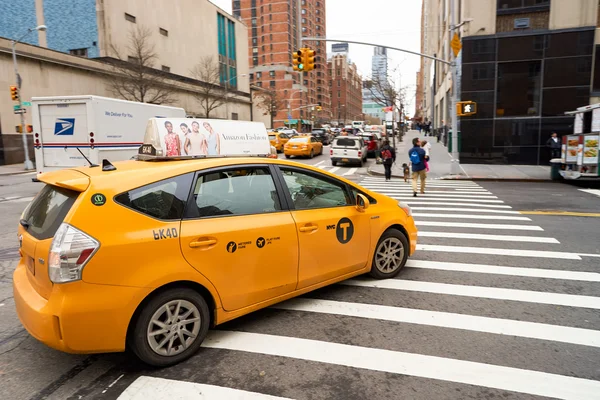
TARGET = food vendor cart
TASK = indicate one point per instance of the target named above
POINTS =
(579, 151)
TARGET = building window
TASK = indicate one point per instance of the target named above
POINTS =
(164, 68)
(303, 11)
(251, 76)
(518, 89)
(253, 21)
(339, 83)
(255, 50)
(272, 74)
(258, 75)
(163, 32)
(79, 52)
(512, 6)
(255, 61)
(272, 84)
(303, 20)
(234, 116)
(130, 18)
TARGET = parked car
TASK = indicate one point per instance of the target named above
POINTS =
(322, 136)
(372, 143)
(375, 132)
(348, 150)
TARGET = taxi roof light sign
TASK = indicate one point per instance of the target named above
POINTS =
(184, 138)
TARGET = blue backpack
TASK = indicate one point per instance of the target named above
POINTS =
(414, 157)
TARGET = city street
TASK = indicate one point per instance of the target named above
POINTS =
(495, 303)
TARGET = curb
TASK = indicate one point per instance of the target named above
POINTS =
(15, 173)
(473, 178)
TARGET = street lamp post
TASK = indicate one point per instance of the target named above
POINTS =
(227, 93)
(28, 163)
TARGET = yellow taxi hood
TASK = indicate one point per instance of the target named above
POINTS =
(72, 179)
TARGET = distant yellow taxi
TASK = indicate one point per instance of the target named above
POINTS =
(278, 140)
(147, 255)
(303, 146)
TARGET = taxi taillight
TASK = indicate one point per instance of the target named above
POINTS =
(70, 251)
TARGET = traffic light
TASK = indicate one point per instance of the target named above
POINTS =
(319, 108)
(298, 60)
(466, 108)
(14, 93)
(309, 59)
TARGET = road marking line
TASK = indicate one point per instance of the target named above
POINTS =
(332, 170)
(591, 191)
(408, 197)
(319, 163)
(468, 216)
(499, 326)
(456, 204)
(433, 182)
(408, 186)
(460, 190)
(352, 171)
(410, 191)
(396, 362)
(151, 388)
(501, 270)
(477, 236)
(589, 255)
(561, 213)
(479, 226)
(472, 210)
(499, 252)
(323, 166)
(485, 292)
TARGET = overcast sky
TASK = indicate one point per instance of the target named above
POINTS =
(395, 23)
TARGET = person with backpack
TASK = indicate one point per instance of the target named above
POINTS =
(388, 155)
(417, 159)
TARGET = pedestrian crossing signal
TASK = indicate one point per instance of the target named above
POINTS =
(298, 60)
(466, 108)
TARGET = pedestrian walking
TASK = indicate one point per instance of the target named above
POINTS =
(388, 155)
(427, 147)
(554, 145)
(417, 159)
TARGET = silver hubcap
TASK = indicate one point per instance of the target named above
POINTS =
(389, 256)
(173, 327)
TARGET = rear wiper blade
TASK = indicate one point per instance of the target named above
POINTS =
(24, 223)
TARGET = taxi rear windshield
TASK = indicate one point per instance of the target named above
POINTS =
(272, 137)
(299, 139)
(47, 211)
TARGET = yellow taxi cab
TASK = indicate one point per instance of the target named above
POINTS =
(278, 140)
(304, 146)
(148, 254)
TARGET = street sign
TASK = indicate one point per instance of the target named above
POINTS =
(466, 108)
(26, 103)
(16, 107)
(20, 111)
(455, 44)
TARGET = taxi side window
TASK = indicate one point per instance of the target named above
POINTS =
(309, 191)
(164, 199)
(234, 192)
(354, 192)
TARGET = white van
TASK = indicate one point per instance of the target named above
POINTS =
(348, 150)
(358, 124)
(99, 127)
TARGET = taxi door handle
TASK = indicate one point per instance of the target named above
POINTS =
(308, 228)
(201, 243)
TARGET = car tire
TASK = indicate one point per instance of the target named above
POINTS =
(312, 154)
(334, 163)
(387, 263)
(360, 163)
(287, 156)
(154, 313)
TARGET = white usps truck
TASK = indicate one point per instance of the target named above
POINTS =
(99, 127)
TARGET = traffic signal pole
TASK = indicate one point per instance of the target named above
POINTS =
(28, 163)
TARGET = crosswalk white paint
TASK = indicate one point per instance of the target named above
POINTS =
(151, 388)
(351, 171)
(483, 236)
(319, 163)
(527, 296)
(500, 252)
(395, 362)
(533, 330)
(421, 197)
(466, 195)
(390, 192)
(479, 226)
(468, 216)
(332, 170)
(501, 270)
(440, 203)
(470, 210)
(591, 191)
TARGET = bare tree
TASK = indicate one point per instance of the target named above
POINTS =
(210, 93)
(269, 102)
(135, 77)
(386, 92)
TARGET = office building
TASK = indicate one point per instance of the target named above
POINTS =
(345, 88)
(379, 71)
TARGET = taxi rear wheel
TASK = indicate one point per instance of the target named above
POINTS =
(312, 154)
(170, 328)
(390, 255)
(287, 156)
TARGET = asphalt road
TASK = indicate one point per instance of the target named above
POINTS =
(494, 304)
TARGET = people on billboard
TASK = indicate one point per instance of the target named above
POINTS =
(195, 141)
(213, 141)
(172, 141)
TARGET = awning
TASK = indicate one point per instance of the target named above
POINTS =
(291, 122)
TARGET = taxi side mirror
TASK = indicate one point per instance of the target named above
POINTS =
(362, 203)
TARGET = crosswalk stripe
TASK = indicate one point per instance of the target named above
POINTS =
(499, 252)
(319, 163)
(533, 330)
(479, 226)
(527, 296)
(421, 198)
(434, 194)
(351, 171)
(433, 182)
(332, 170)
(151, 388)
(501, 270)
(467, 216)
(322, 166)
(591, 191)
(409, 202)
(477, 236)
(410, 191)
(472, 210)
(408, 186)
(396, 362)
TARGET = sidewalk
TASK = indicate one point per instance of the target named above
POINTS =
(14, 169)
(440, 165)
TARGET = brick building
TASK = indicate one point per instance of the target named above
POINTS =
(274, 32)
(345, 88)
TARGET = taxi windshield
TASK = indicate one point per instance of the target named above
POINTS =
(299, 139)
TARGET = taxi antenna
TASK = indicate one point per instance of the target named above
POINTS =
(87, 159)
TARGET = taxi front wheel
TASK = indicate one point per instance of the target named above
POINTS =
(170, 328)
(390, 255)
